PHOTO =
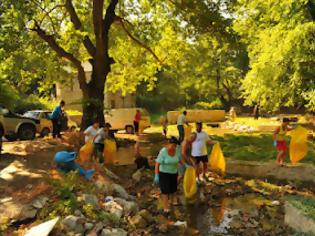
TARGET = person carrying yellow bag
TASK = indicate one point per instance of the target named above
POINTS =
(99, 139)
(279, 140)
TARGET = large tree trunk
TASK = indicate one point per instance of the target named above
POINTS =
(93, 106)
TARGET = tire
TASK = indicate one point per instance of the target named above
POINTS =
(27, 132)
(129, 129)
(45, 132)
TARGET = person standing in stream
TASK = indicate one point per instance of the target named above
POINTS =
(166, 172)
(55, 117)
(199, 150)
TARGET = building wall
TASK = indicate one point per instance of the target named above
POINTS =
(72, 95)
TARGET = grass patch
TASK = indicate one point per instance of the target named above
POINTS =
(255, 147)
(303, 203)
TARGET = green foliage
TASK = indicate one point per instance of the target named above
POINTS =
(281, 45)
(215, 104)
(255, 147)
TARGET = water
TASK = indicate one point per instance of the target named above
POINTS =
(225, 214)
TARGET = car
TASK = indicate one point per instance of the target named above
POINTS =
(14, 126)
(45, 125)
(122, 119)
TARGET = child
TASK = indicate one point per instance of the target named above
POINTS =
(91, 131)
(101, 135)
(140, 161)
(279, 141)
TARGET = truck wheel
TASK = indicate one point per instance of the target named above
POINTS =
(45, 132)
(129, 129)
(27, 132)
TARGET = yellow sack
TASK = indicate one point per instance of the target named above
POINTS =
(110, 150)
(190, 185)
(86, 151)
(141, 127)
(187, 132)
(298, 144)
(216, 160)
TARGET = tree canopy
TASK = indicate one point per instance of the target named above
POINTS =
(200, 52)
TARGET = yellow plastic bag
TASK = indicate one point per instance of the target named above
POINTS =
(141, 127)
(216, 160)
(110, 150)
(85, 152)
(298, 144)
(187, 132)
(190, 185)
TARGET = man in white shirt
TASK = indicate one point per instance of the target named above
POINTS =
(181, 120)
(199, 150)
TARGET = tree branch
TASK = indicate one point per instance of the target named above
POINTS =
(121, 21)
(61, 52)
(78, 26)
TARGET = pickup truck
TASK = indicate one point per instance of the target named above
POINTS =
(14, 126)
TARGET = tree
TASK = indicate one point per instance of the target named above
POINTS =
(281, 45)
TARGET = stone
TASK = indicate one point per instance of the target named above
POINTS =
(72, 223)
(119, 191)
(88, 226)
(96, 230)
(114, 208)
(137, 176)
(40, 202)
(146, 215)
(113, 232)
(78, 213)
(129, 207)
(28, 212)
(138, 221)
(90, 199)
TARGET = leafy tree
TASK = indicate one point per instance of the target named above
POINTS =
(280, 39)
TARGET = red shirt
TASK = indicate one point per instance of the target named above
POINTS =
(138, 117)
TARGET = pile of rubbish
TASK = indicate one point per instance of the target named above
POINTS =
(238, 127)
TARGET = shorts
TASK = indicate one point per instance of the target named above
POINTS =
(282, 145)
(168, 182)
(203, 159)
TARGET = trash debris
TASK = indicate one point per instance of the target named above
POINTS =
(42, 229)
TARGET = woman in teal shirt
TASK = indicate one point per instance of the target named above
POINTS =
(166, 171)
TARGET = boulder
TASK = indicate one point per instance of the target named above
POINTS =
(137, 176)
(40, 202)
(90, 199)
(138, 221)
(119, 191)
(146, 215)
(28, 212)
(114, 208)
(88, 226)
(129, 207)
(113, 232)
(72, 223)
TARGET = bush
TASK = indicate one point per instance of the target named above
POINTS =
(215, 104)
